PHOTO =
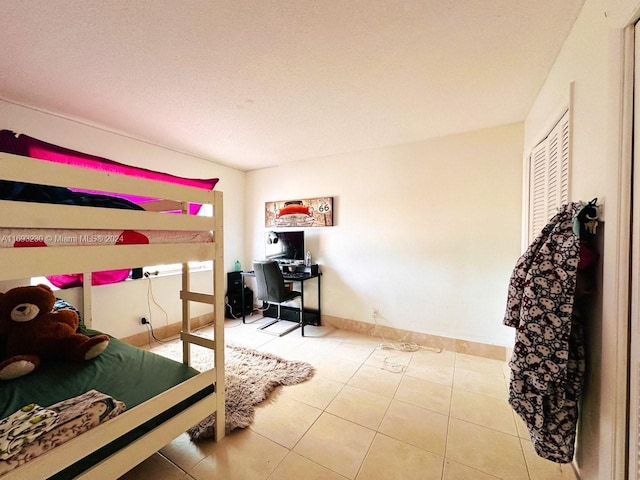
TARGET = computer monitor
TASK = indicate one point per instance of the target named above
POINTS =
(284, 246)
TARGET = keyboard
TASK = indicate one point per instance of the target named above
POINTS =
(294, 275)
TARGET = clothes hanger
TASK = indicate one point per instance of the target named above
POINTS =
(588, 217)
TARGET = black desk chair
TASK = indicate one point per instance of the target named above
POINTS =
(272, 290)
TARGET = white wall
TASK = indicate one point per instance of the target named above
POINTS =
(428, 232)
(118, 307)
(591, 59)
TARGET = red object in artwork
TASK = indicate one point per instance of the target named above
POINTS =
(293, 209)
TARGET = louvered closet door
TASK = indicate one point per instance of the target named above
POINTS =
(549, 176)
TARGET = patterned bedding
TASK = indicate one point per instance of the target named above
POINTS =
(74, 417)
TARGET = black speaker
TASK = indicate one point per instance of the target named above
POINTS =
(234, 283)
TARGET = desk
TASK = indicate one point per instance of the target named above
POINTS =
(289, 277)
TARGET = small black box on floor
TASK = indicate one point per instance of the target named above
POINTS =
(234, 303)
(293, 314)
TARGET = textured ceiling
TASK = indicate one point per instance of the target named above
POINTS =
(258, 83)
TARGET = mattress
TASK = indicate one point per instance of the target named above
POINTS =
(124, 372)
(33, 237)
(10, 237)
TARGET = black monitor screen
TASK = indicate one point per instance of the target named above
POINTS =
(284, 245)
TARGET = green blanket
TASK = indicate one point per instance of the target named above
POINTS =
(126, 373)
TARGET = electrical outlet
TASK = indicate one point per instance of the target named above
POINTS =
(143, 321)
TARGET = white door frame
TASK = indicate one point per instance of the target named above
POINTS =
(630, 155)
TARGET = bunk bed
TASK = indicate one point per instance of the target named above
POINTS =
(117, 445)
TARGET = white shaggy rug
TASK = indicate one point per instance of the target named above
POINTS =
(250, 377)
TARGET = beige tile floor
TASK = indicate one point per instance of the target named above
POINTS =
(368, 414)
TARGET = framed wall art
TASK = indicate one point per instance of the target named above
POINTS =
(306, 212)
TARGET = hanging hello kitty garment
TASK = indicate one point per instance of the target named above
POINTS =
(548, 362)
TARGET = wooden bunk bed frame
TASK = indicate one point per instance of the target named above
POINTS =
(23, 263)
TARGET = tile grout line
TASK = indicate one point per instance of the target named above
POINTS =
(446, 443)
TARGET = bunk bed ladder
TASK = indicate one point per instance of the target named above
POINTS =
(217, 301)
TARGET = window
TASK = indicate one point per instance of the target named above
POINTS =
(206, 210)
(549, 176)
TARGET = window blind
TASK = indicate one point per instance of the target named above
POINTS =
(549, 176)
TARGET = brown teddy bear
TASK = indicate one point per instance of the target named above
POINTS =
(33, 332)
